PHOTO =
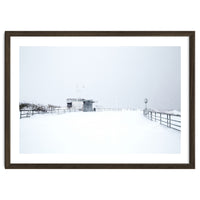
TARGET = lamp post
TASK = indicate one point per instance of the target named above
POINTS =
(145, 101)
(145, 110)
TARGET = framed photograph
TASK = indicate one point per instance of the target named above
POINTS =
(100, 99)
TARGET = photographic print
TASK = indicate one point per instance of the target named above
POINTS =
(99, 100)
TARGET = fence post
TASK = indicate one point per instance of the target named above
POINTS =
(170, 122)
(160, 119)
(167, 120)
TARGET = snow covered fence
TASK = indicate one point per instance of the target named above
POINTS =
(29, 113)
(113, 109)
(167, 119)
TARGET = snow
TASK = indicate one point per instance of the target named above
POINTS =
(108, 132)
(175, 112)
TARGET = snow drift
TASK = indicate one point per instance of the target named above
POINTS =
(109, 132)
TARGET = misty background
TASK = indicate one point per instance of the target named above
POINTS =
(114, 77)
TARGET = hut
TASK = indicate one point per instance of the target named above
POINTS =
(88, 105)
(78, 104)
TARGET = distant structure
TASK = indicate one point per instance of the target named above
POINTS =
(78, 104)
(145, 101)
(145, 109)
(88, 105)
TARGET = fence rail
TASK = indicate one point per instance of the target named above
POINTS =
(29, 113)
(167, 119)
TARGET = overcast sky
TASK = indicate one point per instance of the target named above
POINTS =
(112, 76)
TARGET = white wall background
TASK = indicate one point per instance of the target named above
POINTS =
(98, 15)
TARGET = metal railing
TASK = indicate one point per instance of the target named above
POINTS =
(167, 119)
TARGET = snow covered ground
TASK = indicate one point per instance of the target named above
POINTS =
(109, 132)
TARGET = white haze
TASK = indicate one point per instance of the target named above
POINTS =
(115, 77)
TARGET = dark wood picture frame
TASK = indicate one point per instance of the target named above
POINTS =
(190, 165)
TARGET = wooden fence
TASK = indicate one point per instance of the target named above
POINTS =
(167, 119)
(29, 113)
